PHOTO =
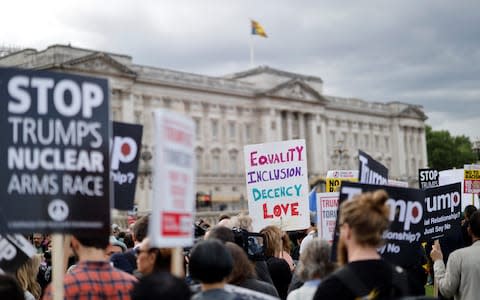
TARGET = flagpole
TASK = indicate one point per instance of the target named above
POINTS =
(251, 50)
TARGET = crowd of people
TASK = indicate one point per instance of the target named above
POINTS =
(225, 262)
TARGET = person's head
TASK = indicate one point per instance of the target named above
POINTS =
(286, 243)
(151, 260)
(273, 237)
(243, 221)
(242, 267)
(315, 260)
(210, 262)
(474, 225)
(140, 229)
(468, 211)
(99, 240)
(115, 246)
(115, 230)
(221, 233)
(362, 221)
(161, 285)
(222, 217)
(27, 275)
(10, 289)
(37, 239)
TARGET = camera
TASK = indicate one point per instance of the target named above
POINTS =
(252, 243)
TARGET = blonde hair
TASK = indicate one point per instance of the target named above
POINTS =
(273, 237)
(367, 215)
(27, 276)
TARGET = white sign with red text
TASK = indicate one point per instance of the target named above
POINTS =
(173, 203)
(277, 184)
(327, 207)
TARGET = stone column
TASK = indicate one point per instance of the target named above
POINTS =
(301, 125)
(127, 100)
(278, 117)
(398, 152)
(289, 125)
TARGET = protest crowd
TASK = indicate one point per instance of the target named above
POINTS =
(368, 239)
(292, 265)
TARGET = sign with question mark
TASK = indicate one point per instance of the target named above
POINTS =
(406, 231)
(125, 154)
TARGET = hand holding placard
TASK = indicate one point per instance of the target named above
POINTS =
(436, 253)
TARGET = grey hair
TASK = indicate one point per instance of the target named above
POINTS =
(242, 221)
(315, 260)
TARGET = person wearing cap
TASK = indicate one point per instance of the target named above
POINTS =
(115, 246)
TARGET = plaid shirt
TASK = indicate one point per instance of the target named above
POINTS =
(95, 280)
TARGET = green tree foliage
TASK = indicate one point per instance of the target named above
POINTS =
(446, 151)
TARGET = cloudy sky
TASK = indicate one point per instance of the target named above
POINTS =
(424, 52)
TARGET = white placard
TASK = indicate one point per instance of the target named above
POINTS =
(173, 203)
(327, 207)
(277, 184)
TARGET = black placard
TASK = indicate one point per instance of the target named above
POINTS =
(427, 178)
(442, 210)
(14, 251)
(371, 171)
(125, 154)
(54, 154)
(405, 233)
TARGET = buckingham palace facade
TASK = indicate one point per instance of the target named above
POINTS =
(255, 106)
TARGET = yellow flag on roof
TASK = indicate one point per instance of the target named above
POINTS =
(257, 29)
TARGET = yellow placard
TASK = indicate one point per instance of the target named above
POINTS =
(471, 174)
(333, 184)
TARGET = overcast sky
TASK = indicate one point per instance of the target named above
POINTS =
(423, 52)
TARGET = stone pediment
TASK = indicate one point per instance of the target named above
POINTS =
(413, 112)
(99, 62)
(295, 89)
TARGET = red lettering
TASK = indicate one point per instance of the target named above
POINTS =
(277, 211)
(294, 207)
(265, 212)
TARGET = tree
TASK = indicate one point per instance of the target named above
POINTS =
(446, 151)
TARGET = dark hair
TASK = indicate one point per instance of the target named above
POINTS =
(223, 217)
(474, 223)
(469, 210)
(221, 233)
(140, 228)
(10, 289)
(128, 240)
(243, 269)
(210, 261)
(99, 240)
(160, 286)
(163, 259)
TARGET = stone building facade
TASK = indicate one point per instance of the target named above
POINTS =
(259, 105)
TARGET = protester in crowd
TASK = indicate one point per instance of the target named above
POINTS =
(243, 273)
(311, 232)
(462, 274)
(152, 260)
(10, 289)
(296, 237)
(221, 233)
(467, 213)
(116, 230)
(94, 277)
(115, 246)
(314, 265)
(128, 240)
(37, 241)
(127, 261)
(226, 234)
(242, 221)
(364, 274)
(210, 263)
(278, 267)
(286, 249)
(161, 285)
(26, 276)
